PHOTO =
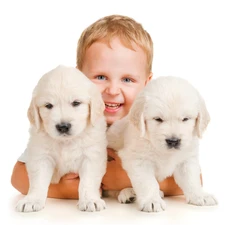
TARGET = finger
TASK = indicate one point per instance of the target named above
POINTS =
(70, 176)
(112, 153)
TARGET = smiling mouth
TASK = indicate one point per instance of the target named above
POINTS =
(112, 106)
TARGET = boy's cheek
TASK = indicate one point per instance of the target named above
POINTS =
(100, 86)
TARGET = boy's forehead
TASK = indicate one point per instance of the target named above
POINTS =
(110, 41)
(104, 54)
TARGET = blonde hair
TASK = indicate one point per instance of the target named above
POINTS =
(106, 28)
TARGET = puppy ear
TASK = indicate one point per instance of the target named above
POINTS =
(97, 106)
(136, 114)
(203, 117)
(33, 115)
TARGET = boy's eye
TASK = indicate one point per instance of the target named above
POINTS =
(126, 79)
(185, 119)
(100, 77)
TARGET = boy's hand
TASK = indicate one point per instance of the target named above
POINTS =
(69, 176)
(71, 180)
(66, 188)
(115, 177)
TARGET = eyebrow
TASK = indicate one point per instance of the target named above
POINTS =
(96, 72)
(132, 75)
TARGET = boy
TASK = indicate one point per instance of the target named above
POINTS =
(115, 53)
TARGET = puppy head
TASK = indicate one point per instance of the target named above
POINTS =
(64, 103)
(169, 112)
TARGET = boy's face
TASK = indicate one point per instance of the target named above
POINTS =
(119, 72)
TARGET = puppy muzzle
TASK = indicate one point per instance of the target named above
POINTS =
(173, 143)
(63, 128)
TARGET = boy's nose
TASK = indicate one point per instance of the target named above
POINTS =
(113, 90)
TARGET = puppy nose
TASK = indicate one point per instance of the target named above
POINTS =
(173, 142)
(63, 127)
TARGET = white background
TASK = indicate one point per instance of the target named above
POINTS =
(36, 36)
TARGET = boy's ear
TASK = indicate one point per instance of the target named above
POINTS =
(149, 78)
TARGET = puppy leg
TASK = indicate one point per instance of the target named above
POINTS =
(187, 176)
(91, 174)
(40, 174)
(145, 185)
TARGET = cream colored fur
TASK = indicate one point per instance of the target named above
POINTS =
(169, 108)
(51, 154)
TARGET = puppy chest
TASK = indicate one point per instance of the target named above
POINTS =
(69, 160)
(166, 164)
(164, 170)
(161, 174)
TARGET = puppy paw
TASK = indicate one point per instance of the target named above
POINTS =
(153, 205)
(91, 205)
(30, 205)
(202, 200)
(127, 195)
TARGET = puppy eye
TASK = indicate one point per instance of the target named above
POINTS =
(158, 119)
(185, 119)
(49, 106)
(75, 103)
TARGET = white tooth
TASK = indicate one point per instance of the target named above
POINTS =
(112, 105)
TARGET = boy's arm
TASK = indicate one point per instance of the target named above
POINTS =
(66, 188)
(117, 179)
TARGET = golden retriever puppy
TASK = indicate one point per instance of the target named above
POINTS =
(160, 138)
(68, 134)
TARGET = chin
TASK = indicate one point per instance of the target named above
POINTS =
(110, 119)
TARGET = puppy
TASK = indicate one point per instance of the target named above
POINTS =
(68, 134)
(160, 139)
